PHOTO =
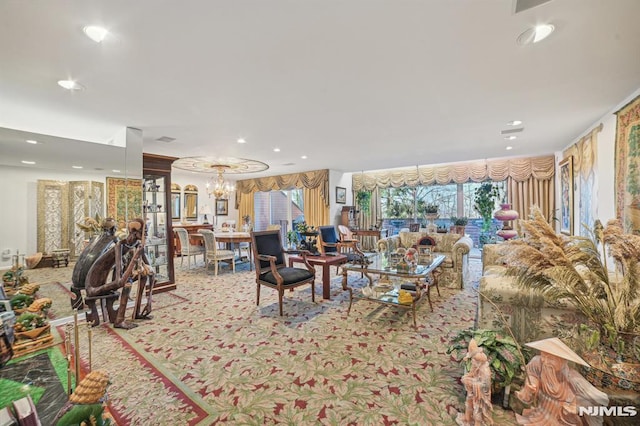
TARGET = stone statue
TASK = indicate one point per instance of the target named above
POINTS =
(123, 263)
(555, 391)
(477, 383)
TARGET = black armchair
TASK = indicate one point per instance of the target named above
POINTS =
(330, 243)
(271, 271)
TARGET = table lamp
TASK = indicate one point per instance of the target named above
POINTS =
(205, 210)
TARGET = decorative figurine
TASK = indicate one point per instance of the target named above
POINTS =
(555, 390)
(477, 383)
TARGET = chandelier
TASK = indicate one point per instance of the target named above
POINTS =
(217, 187)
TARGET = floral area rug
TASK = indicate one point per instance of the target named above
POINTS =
(55, 283)
(217, 358)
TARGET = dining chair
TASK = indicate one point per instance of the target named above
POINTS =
(271, 270)
(215, 254)
(186, 248)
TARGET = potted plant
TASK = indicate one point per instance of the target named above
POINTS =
(506, 357)
(575, 269)
(459, 224)
(292, 239)
(363, 200)
(484, 200)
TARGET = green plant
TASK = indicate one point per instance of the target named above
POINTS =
(363, 199)
(431, 209)
(302, 227)
(292, 237)
(459, 221)
(506, 357)
(485, 197)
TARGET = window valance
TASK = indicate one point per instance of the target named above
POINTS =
(584, 153)
(310, 180)
(519, 169)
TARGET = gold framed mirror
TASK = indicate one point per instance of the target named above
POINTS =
(175, 201)
(191, 203)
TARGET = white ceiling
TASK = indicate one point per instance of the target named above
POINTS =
(353, 84)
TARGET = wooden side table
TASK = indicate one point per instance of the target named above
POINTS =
(326, 262)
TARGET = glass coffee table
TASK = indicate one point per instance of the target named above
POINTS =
(418, 281)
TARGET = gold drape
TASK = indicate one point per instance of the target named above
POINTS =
(245, 206)
(524, 194)
(316, 212)
(584, 153)
(519, 169)
(313, 179)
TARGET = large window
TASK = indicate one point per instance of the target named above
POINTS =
(411, 203)
(282, 208)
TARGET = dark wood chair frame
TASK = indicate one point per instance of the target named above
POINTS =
(278, 268)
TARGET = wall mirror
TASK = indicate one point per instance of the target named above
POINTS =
(175, 201)
(79, 172)
(191, 203)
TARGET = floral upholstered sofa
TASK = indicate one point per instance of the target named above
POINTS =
(528, 315)
(454, 247)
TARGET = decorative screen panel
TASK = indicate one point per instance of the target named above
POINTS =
(53, 215)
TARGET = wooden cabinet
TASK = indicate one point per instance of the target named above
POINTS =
(156, 200)
(349, 217)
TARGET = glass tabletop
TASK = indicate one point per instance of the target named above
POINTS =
(380, 264)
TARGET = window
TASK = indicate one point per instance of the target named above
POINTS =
(452, 200)
(282, 208)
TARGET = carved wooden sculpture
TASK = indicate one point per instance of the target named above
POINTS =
(477, 383)
(123, 262)
(555, 391)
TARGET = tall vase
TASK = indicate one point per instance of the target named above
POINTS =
(506, 214)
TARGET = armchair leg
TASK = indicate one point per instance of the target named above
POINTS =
(258, 295)
(280, 296)
(313, 291)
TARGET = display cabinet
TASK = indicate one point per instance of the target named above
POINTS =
(157, 213)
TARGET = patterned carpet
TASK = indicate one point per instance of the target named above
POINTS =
(212, 356)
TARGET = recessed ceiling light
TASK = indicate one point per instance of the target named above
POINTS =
(241, 141)
(76, 167)
(115, 171)
(28, 162)
(510, 138)
(95, 32)
(31, 141)
(509, 148)
(70, 85)
(514, 123)
(304, 157)
(276, 149)
(535, 34)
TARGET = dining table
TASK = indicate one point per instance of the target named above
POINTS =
(232, 238)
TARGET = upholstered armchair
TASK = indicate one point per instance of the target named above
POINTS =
(271, 270)
(454, 247)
